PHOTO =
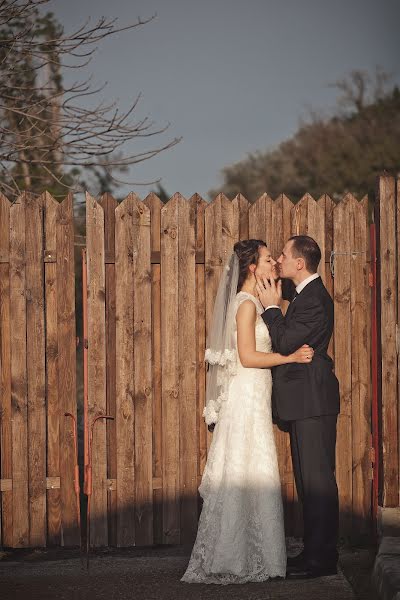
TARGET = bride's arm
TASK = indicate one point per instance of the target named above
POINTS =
(246, 339)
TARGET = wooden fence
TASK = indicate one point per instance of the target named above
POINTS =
(153, 271)
(37, 372)
(388, 217)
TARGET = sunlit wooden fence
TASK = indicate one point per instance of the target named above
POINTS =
(153, 272)
(37, 371)
(152, 275)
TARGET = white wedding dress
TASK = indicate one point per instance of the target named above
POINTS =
(240, 536)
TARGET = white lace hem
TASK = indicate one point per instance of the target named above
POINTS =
(230, 578)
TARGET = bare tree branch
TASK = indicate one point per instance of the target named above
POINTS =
(51, 132)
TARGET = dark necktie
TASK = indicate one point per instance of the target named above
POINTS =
(295, 295)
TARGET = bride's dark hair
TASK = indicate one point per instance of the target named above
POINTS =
(248, 254)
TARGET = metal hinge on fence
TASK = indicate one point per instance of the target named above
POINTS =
(353, 254)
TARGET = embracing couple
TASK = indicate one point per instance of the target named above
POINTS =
(263, 364)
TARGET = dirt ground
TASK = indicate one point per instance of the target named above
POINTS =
(155, 574)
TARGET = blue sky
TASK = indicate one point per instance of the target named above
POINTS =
(231, 76)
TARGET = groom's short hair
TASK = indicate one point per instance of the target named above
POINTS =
(306, 247)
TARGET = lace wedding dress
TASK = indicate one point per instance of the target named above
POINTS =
(240, 535)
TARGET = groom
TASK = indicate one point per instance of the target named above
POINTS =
(306, 396)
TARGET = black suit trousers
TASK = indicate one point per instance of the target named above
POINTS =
(313, 442)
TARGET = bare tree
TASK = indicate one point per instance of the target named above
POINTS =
(54, 134)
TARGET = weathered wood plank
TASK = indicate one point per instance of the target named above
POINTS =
(328, 205)
(67, 365)
(199, 205)
(125, 412)
(54, 410)
(243, 206)
(170, 370)
(343, 358)
(97, 402)
(143, 390)
(260, 219)
(35, 340)
(154, 204)
(361, 407)
(308, 218)
(187, 369)
(398, 320)
(109, 204)
(19, 395)
(388, 291)
(6, 521)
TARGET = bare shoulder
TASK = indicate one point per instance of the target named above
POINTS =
(246, 311)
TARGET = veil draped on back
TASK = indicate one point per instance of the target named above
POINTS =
(220, 352)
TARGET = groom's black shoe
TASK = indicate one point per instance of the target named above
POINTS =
(296, 561)
(310, 572)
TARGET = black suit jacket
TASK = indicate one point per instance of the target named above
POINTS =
(301, 391)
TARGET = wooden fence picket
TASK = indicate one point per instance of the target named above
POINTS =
(19, 392)
(388, 251)
(6, 510)
(170, 370)
(54, 409)
(343, 355)
(97, 400)
(36, 385)
(70, 535)
(154, 204)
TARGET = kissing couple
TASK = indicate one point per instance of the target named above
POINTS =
(261, 364)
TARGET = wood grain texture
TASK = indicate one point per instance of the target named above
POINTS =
(328, 205)
(343, 357)
(109, 204)
(6, 509)
(97, 402)
(398, 320)
(54, 410)
(19, 393)
(308, 218)
(360, 370)
(66, 326)
(143, 389)
(125, 411)
(170, 371)
(187, 369)
(388, 291)
(154, 204)
(199, 205)
(35, 347)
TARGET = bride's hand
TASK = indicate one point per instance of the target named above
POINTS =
(303, 355)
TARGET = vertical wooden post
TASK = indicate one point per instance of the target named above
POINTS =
(388, 293)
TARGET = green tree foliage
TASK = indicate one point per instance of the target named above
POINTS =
(340, 154)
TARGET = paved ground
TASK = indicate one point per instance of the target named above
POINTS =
(155, 574)
(386, 575)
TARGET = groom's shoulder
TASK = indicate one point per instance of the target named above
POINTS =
(317, 290)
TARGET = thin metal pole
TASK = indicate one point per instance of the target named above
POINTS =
(89, 485)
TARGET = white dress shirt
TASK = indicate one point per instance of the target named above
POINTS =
(299, 287)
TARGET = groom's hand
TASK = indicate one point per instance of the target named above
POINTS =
(269, 291)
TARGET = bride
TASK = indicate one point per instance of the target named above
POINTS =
(240, 536)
